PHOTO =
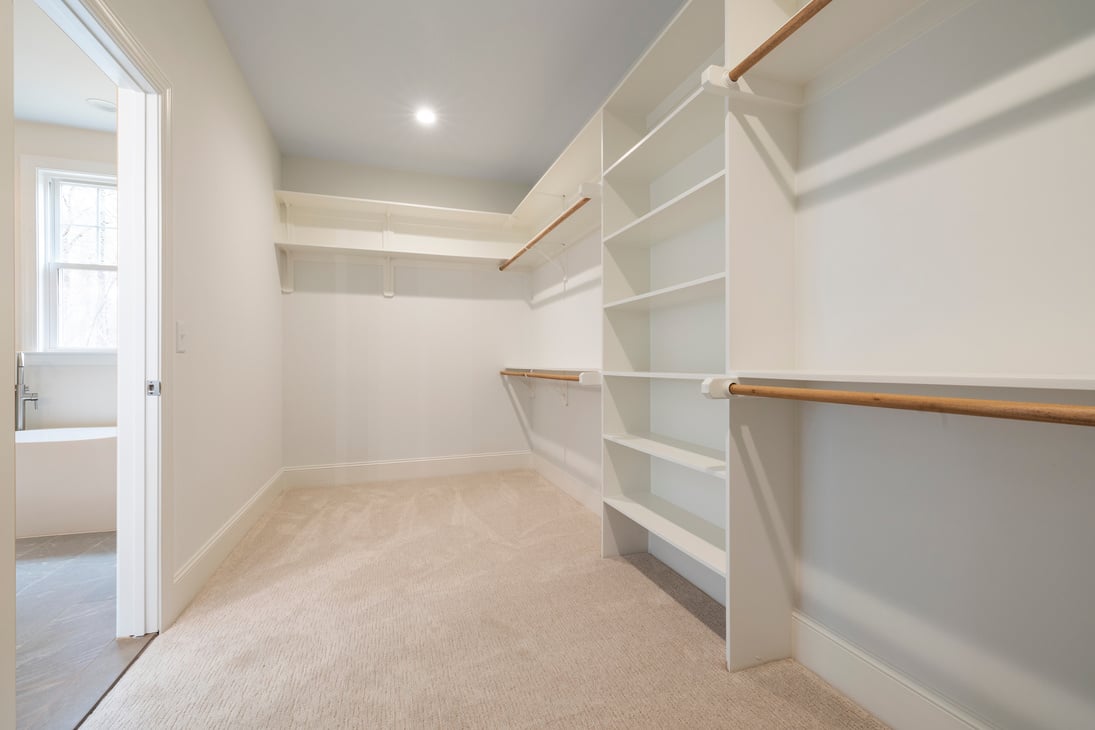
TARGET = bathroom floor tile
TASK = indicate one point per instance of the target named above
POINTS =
(67, 654)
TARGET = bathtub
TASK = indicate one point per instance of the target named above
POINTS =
(65, 480)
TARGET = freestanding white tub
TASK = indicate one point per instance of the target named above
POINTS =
(65, 481)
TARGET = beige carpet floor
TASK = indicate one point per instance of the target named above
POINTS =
(465, 602)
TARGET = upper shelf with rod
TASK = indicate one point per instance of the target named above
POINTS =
(1077, 415)
(579, 376)
(822, 31)
(577, 220)
(321, 226)
(562, 207)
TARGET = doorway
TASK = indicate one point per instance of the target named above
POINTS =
(128, 248)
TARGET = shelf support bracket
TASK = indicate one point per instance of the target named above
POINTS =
(290, 229)
(285, 271)
(716, 80)
(389, 278)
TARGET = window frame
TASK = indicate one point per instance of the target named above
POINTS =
(48, 268)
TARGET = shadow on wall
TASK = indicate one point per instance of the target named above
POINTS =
(366, 279)
(876, 142)
(1059, 101)
(963, 560)
(1000, 37)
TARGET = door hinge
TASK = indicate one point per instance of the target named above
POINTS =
(152, 387)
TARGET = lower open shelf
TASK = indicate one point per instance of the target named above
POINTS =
(692, 535)
(693, 456)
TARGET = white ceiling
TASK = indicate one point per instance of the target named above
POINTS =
(512, 80)
(53, 77)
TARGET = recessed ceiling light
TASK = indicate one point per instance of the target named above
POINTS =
(103, 105)
(425, 116)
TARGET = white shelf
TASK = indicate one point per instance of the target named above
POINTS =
(690, 534)
(380, 210)
(707, 287)
(688, 41)
(999, 380)
(692, 207)
(699, 458)
(305, 251)
(838, 28)
(586, 376)
(658, 376)
(698, 120)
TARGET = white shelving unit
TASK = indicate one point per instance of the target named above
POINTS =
(665, 278)
(693, 456)
(703, 202)
(702, 289)
(697, 538)
(835, 277)
(687, 128)
(646, 375)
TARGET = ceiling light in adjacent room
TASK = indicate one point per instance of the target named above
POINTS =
(103, 105)
(425, 116)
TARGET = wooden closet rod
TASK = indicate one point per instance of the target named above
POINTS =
(1016, 410)
(551, 227)
(788, 29)
(543, 376)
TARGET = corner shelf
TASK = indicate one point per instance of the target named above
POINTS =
(576, 168)
(697, 120)
(698, 290)
(698, 458)
(692, 535)
(700, 203)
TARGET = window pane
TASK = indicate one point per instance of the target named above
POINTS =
(88, 219)
(108, 207)
(79, 204)
(79, 245)
(87, 309)
(108, 246)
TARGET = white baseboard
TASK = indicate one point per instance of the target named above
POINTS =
(190, 578)
(363, 472)
(588, 495)
(891, 696)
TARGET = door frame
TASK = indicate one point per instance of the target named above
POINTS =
(143, 137)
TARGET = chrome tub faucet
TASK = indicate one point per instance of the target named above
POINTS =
(22, 395)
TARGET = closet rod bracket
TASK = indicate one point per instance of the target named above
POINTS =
(717, 388)
(389, 278)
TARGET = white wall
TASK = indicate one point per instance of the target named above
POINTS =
(7, 374)
(950, 229)
(371, 379)
(328, 177)
(73, 390)
(564, 422)
(222, 397)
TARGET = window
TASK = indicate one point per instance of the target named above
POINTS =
(78, 261)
